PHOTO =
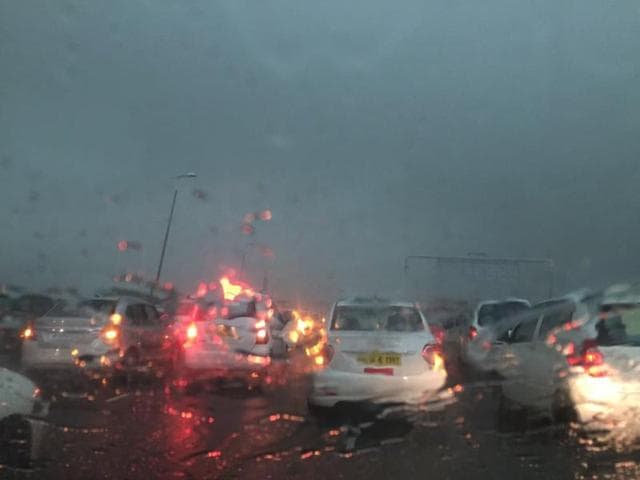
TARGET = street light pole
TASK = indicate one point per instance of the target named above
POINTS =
(166, 233)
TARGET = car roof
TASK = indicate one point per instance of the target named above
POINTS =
(123, 299)
(373, 302)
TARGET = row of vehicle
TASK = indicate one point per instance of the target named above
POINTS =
(106, 335)
(110, 336)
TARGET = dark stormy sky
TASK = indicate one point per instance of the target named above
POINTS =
(372, 130)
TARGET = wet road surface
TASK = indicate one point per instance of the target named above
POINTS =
(150, 431)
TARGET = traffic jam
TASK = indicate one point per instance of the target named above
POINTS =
(370, 367)
(346, 240)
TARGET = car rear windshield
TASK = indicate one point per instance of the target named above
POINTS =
(372, 318)
(34, 304)
(619, 325)
(493, 313)
(82, 309)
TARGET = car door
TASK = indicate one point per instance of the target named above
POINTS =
(546, 361)
(517, 361)
(133, 327)
(152, 332)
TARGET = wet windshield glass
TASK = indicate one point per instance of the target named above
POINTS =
(288, 239)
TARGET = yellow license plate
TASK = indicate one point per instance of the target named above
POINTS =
(380, 358)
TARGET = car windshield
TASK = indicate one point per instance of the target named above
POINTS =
(493, 313)
(376, 318)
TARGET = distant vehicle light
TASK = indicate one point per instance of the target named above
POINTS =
(116, 319)
(192, 331)
(231, 291)
(260, 324)
(262, 337)
(28, 333)
(110, 334)
(294, 336)
(473, 332)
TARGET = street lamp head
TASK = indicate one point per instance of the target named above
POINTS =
(187, 175)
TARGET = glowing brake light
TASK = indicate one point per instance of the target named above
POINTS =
(110, 334)
(28, 333)
(192, 331)
(438, 333)
(262, 337)
(473, 332)
(432, 354)
(589, 358)
(116, 319)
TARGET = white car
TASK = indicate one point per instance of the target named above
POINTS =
(487, 314)
(236, 345)
(21, 411)
(574, 360)
(378, 352)
(98, 334)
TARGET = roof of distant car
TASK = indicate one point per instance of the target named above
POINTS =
(373, 301)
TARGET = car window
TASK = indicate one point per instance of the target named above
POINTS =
(152, 315)
(35, 304)
(619, 325)
(555, 318)
(524, 331)
(493, 313)
(102, 306)
(369, 318)
(136, 314)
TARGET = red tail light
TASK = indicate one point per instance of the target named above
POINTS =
(438, 333)
(327, 354)
(192, 331)
(473, 332)
(110, 334)
(29, 333)
(589, 358)
(262, 337)
(432, 354)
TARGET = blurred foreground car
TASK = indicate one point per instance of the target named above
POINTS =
(378, 352)
(22, 310)
(487, 314)
(574, 359)
(238, 345)
(98, 334)
(21, 413)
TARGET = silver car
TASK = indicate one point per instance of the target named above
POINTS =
(100, 333)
